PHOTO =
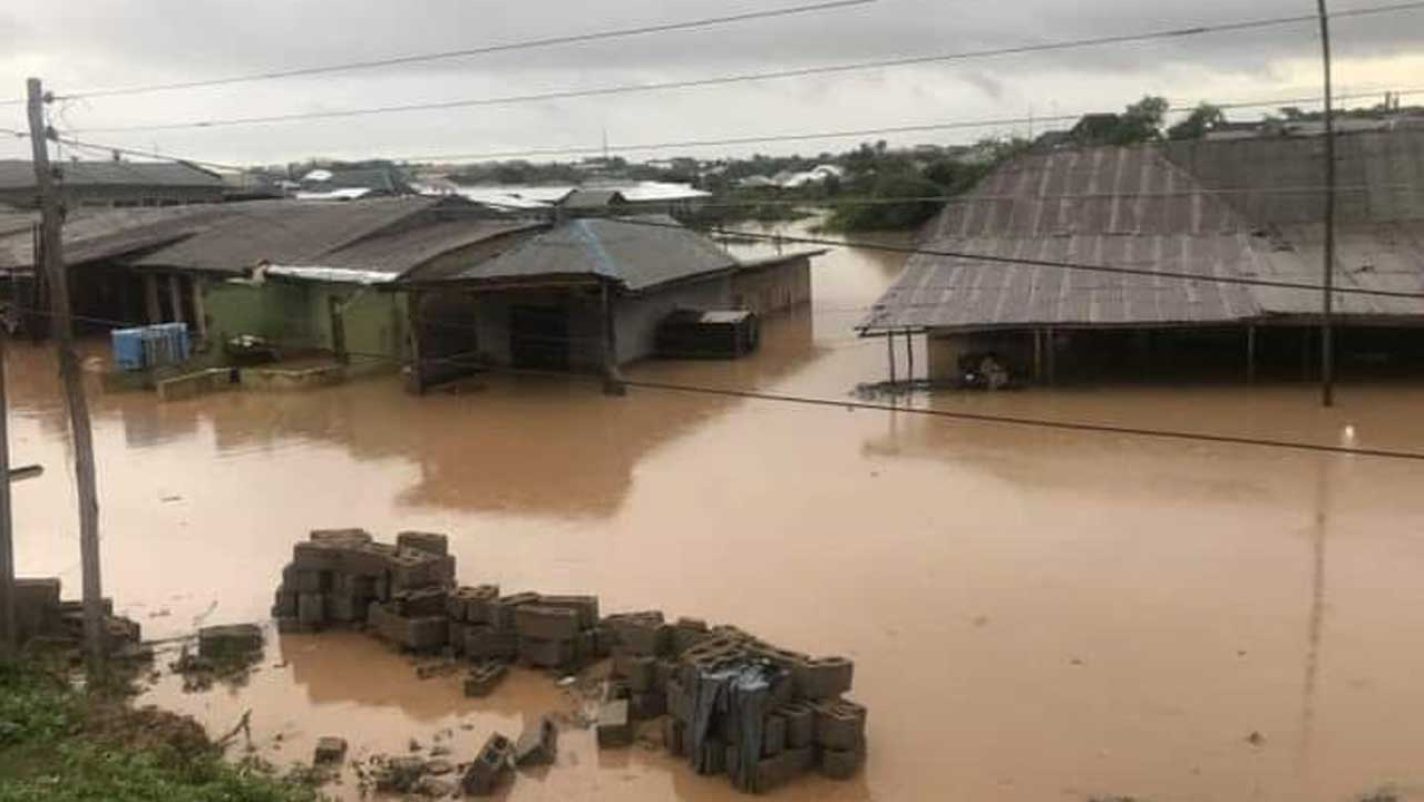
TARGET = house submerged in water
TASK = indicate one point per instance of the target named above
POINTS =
(441, 286)
(993, 278)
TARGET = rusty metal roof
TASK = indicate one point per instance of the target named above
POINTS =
(1144, 208)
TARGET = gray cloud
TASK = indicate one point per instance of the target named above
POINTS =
(82, 44)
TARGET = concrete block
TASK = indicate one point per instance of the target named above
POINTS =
(424, 541)
(316, 557)
(615, 728)
(330, 750)
(638, 670)
(424, 633)
(340, 537)
(679, 701)
(591, 644)
(773, 736)
(400, 774)
(293, 626)
(688, 632)
(360, 585)
(538, 744)
(503, 608)
(840, 724)
(284, 604)
(483, 678)
(420, 602)
(490, 766)
(823, 677)
(663, 671)
(303, 580)
(546, 653)
(841, 764)
(546, 623)
(585, 606)
(346, 608)
(480, 605)
(646, 705)
(800, 724)
(311, 609)
(713, 759)
(643, 633)
(228, 642)
(484, 642)
(411, 569)
(674, 732)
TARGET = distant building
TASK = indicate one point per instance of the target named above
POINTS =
(1238, 210)
(113, 184)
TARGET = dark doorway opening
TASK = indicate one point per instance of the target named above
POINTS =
(539, 337)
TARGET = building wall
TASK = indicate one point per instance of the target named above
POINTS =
(774, 288)
(298, 316)
(638, 316)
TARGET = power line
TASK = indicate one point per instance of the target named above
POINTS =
(800, 72)
(446, 55)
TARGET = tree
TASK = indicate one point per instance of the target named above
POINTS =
(1142, 121)
(1202, 119)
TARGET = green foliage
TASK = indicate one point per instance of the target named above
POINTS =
(1203, 118)
(1141, 122)
(47, 752)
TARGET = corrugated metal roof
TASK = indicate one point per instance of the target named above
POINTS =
(592, 199)
(19, 174)
(283, 232)
(638, 252)
(1134, 208)
(94, 234)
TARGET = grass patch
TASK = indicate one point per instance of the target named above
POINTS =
(61, 744)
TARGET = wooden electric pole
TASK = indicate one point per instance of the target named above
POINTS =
(9, 636)
(62, 329)
(1327, 322)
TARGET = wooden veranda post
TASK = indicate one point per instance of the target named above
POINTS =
(62, 328)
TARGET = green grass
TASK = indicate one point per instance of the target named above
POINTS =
(59, 744)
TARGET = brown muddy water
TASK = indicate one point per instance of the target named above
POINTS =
(1034, 615)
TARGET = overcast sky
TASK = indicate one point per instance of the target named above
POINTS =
(78, 45)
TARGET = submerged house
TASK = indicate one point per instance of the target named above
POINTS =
(585, 294)
(1008, 269)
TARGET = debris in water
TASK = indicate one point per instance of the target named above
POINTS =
(1256, 739)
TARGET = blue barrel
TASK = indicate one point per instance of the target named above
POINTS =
(128, 348)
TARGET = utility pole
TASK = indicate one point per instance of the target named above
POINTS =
(1327, 322)
(62, 329)
(9, 637)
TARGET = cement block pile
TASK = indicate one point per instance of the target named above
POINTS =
(730, 703)
(734, 704)
(41, 617)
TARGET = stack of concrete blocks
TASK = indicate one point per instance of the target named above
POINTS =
(808, 724)
(41, 615)
(557, 631)
(342, 577)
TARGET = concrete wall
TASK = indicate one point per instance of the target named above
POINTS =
(638, 316)
(298, 316)
(774, 288)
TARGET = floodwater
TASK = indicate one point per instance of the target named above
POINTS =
(1034, 614)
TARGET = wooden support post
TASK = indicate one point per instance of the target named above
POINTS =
(175, 297)
(151, 307)
(890, 351)
(9, 636)
(200, 311)
(1051, 349)
(909, 357)
(612, 376)
(1251, 354)
(1038, 356)
(72, 380)
(338, 329)
(415, 380)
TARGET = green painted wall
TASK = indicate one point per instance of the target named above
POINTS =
(299, 316)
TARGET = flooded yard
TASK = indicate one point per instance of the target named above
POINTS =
(1034, 615)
